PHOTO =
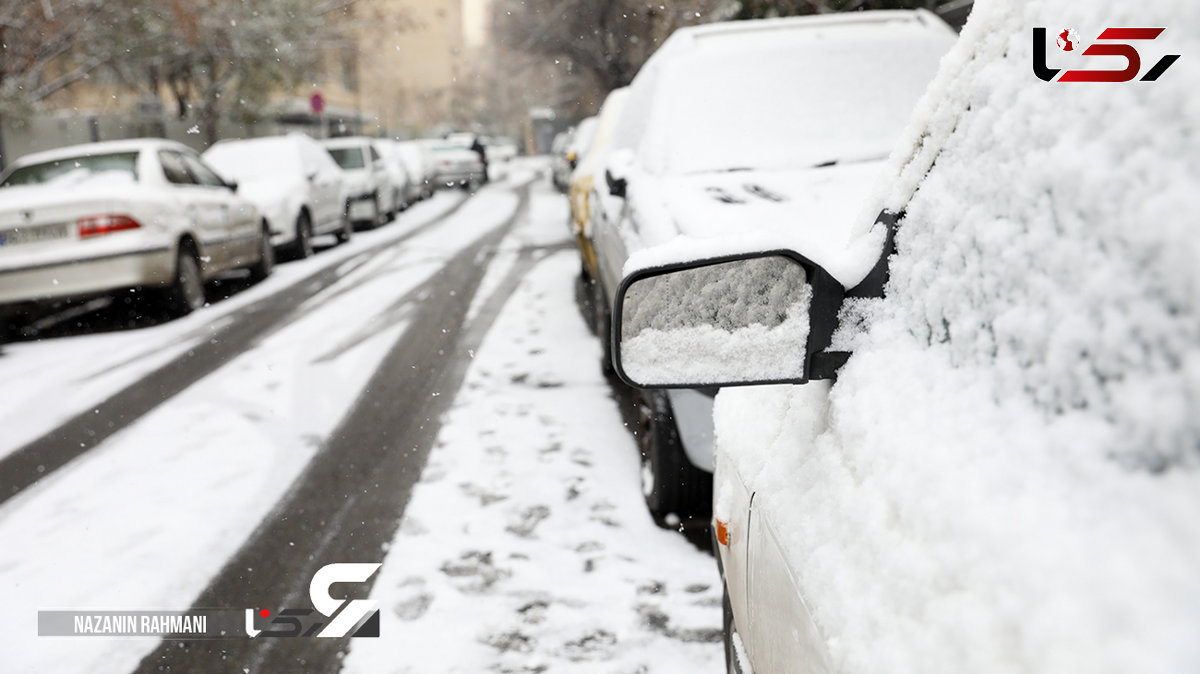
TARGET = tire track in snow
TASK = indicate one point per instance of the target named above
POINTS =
(347, 503)
(38, 458)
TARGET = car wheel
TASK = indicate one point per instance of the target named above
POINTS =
(186, 293)
(266, 257)
(733, 665)
(347, 231)
(381, 217)
(303, 246)
(674, 489)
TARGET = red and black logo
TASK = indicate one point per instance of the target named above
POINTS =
(1112, 42)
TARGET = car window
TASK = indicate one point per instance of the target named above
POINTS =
(374, 155)
(119, 163)
(174, 168)
(203, 174)
(347, 157)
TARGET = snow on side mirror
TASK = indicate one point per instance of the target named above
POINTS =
(733, 321)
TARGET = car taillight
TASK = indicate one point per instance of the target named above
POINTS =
(96, 225)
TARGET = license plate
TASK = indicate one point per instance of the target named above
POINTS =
(34, 234)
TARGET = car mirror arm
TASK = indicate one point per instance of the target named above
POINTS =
(877, 279)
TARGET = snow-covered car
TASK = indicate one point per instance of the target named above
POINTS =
(993, 464)
(560, 168)
(397, 168)
(500, 149)
(455, 165)
(94, 219)
(368, 183)
(583, 179)
(295, 184)
(784, 145)
(419, 163)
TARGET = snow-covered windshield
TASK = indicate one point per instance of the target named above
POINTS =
(779, 102)
(119, 163)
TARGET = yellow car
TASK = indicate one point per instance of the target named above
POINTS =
(581, 190)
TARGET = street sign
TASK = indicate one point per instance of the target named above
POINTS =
(317, 101)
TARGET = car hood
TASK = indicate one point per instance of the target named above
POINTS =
(811, 211)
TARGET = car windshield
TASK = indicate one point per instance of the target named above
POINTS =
(71, 168)
(348, 157)
(723, 109)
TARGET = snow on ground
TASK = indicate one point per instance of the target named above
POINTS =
(49, 381)
(144, 520)
(526, 546)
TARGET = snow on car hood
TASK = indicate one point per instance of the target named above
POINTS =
(809, 210)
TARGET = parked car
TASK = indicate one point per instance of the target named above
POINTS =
(560, 168)
(398, 170)
(94, 219)
(295, 184)
(455, 165)
(992, 465)
(500, 149)
(781, 145)
(368, 182)
(583, 179)
(419, 162)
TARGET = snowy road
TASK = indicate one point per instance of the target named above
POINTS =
(220, 460)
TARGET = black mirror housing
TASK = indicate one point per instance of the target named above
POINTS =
(616, 186)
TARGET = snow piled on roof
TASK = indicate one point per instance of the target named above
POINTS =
(1004, 477)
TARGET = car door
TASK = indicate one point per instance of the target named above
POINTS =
(235, 223)
(201, 209)
(771, 614)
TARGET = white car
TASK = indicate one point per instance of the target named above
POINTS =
(368, 183)
(418, 159)
(94, 219)
(295, 184)
(394, 161)
(992, 465)
(727, 129)
(455, 165)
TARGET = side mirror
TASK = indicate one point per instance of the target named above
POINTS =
(616, 186)
(232, 185)
(762, 318)
(616, 174)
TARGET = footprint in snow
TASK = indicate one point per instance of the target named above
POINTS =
(528, 520)
(416, 603)
(474, 572)
(596, 645)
